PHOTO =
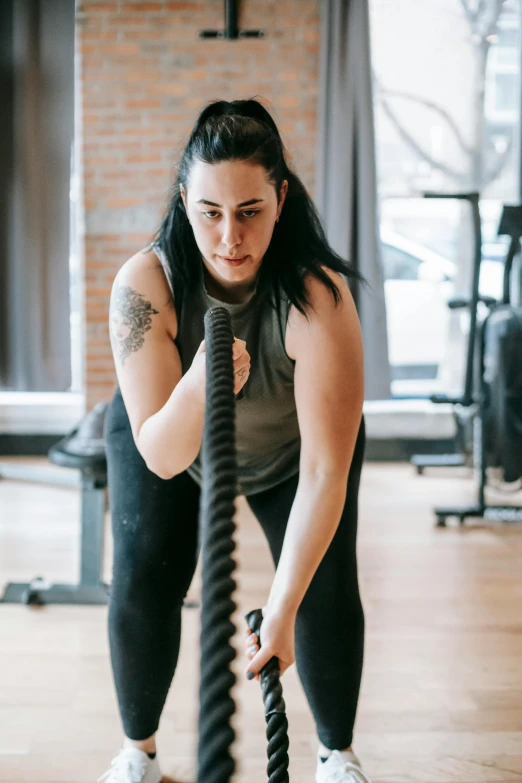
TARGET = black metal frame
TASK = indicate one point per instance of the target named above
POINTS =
(484, 510)
(231, 31)
(511, 224)
(461, 457)
(90, 589)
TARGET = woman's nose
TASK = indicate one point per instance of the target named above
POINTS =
(231, 234)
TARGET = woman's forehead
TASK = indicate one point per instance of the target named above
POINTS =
(234, 181)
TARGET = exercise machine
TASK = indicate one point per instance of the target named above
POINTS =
(497, 423)
(463, 405)
(84, 450)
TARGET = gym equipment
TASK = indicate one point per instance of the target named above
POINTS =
(497, 424)
(275, 711)
(463, 406)
(83, 449)
(217, 527)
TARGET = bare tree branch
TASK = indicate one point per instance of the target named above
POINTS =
(493, 171)
(474, 18)
(424, 154)
(482, 17)
(436, 108)
(470, 15)
(482, 6)
(492, 26)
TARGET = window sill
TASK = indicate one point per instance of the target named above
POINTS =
(40, 413)
(390, 419)
(57, 413)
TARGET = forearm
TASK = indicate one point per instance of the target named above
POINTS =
(170, 440)
(314, 518)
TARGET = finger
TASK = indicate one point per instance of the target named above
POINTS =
(238, 348)
(240, 380)
(258, 661)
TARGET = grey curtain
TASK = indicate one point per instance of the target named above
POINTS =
(37, 93)
(346, 190)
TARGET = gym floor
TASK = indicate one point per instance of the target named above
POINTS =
(441, 697)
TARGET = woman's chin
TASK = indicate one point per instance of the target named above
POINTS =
(244, 273)
(236, 272)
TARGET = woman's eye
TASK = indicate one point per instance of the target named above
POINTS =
(211, 214)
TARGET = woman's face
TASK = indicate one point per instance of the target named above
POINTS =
(232, 209)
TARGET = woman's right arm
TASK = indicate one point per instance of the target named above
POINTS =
(165, 410)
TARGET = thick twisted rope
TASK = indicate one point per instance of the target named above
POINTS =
(275, 710)
(217, 528)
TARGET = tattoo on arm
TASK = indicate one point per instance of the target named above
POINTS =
(130, 318)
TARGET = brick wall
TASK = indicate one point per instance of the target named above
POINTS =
(144, 75)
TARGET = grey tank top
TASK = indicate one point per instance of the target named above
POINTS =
(268, 442)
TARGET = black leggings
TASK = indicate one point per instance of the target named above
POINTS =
(155, 530)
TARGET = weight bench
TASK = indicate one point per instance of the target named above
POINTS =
(83, 449)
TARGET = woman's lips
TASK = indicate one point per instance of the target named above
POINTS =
(233, 261)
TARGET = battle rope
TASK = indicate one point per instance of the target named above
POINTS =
(217, 529)
(275, 710)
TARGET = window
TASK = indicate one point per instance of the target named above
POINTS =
(445, 122)
(399, 265)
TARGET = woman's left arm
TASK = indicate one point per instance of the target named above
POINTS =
(329, 394)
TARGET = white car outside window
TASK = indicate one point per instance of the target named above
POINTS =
(418, 284)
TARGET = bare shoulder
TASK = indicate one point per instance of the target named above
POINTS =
(142, 326)
(141, 289)
(324, 312)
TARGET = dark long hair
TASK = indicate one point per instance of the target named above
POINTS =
(244, 130)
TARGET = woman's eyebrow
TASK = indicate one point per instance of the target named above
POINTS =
(243, 204)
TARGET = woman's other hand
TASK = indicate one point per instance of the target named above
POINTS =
(241, 363)
(277, 636)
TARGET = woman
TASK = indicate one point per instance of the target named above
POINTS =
(241, 232)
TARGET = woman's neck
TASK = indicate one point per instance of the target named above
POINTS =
(235, 294)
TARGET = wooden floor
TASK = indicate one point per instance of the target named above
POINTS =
(441, 698)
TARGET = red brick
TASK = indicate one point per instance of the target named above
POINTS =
(120, 203)
(145, 77)
(185, 6)
(146, 103)
(144, 8)
(170, 88)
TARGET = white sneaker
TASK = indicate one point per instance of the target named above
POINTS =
(345, 768)
(132, 765)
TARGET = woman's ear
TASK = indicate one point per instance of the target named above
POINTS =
(282, 193)
(184, 197)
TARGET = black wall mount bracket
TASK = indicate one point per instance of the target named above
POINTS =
(231, 31)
